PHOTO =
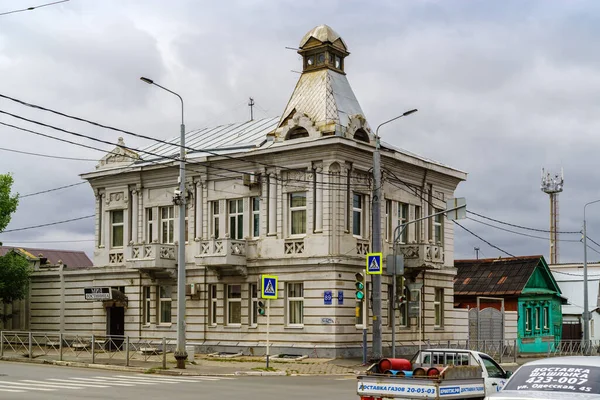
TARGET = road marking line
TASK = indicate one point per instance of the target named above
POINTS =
(12, 390)
(68, 382)
(125, 380)
(24, 386)
(102, 381)
(164, 379)
(141, 379)
(50, 384)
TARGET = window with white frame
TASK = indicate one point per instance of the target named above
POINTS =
(214, 219)
(297, 207)
(357, 214)
(255, 216)
(167, 224)
(546, 318)
(164, 304)
(212, 291)
(234, 304)
(537, 318)
(418, 215)
(527, 319)
(295, 303)
(438, 307)
(389, 230)
(438, 227)
(116, 228)
(236, 218)
(402, 218)
(253, 304)
(150, 221)
(147, 304)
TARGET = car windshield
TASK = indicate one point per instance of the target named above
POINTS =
(556, 378)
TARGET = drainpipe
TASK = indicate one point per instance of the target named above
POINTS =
(62, 296)
(205, 306)
(141, 305)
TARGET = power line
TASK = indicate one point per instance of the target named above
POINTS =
(52, 190)
(520, 233)
(209, 151)
(483, 240)
(48, 224)
(520, 226)
(47, 155)
(592, 240)
(34, 7)
(49, 241)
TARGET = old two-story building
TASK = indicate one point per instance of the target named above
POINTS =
(288, 196)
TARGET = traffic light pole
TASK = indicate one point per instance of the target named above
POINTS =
(268, 326)
(397, 234)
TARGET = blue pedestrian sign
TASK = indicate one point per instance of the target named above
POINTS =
(268, 287)
(327, 297)
(340, 297)
(374, 263)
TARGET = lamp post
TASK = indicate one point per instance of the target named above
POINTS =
(179, 198)
(586, 314)
(376, 244)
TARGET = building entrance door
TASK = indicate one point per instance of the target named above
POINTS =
(115, 327)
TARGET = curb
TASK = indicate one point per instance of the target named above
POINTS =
(260, 373)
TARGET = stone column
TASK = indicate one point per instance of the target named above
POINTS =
(272, 204)
(318, 198)
(198, 208)
(134, 216)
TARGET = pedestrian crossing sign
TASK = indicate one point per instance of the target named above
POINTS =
(268, 286)
(374, 263)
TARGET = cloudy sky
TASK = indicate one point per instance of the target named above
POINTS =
(503, 89)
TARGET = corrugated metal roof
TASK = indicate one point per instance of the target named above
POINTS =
(70, 258)
(219, 139)
(486, 274)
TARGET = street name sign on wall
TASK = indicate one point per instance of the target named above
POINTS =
(97, 293)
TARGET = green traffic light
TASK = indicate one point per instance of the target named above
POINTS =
(360, 295)
(261, 311)
(360, 285)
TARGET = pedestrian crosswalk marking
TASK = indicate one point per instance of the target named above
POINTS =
(101, 382)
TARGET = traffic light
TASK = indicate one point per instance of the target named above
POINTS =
(360, 286)
(261, 307)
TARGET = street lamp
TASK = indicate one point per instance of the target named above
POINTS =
(180, 353)
(586, 315)
(376, 245)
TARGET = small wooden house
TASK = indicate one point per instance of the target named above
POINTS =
(525, 284)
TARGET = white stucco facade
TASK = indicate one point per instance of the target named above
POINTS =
(292, 199)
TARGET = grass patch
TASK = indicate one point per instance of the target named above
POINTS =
(153, 370)
(269, 369)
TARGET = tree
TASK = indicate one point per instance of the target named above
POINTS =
(14, 277)
(14, 268)
(8, 203)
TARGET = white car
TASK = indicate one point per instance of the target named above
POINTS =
(562, 378)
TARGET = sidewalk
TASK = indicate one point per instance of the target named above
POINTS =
(215, 366)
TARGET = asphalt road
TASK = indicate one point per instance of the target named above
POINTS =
(32, 381)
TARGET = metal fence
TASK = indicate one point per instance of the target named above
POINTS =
(574, 348)
(501, 350)
(118, 350)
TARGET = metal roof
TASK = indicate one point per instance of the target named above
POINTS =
(220, 139)
(70, 258)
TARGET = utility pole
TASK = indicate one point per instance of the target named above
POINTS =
(179, 199)
(251, 105)
(586, 314)
(477, 252)
(376, 239)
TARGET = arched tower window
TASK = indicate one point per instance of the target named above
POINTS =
(361, 135)
(297, 133)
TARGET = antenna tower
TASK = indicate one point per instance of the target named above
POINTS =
(553, 185)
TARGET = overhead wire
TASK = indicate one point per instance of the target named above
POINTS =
(520, 233)
(33, 8)
(52, 190)
(520, 226)
(47, 155)
(48, 224)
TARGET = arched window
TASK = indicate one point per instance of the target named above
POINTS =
(361, 135)
(297, 133)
